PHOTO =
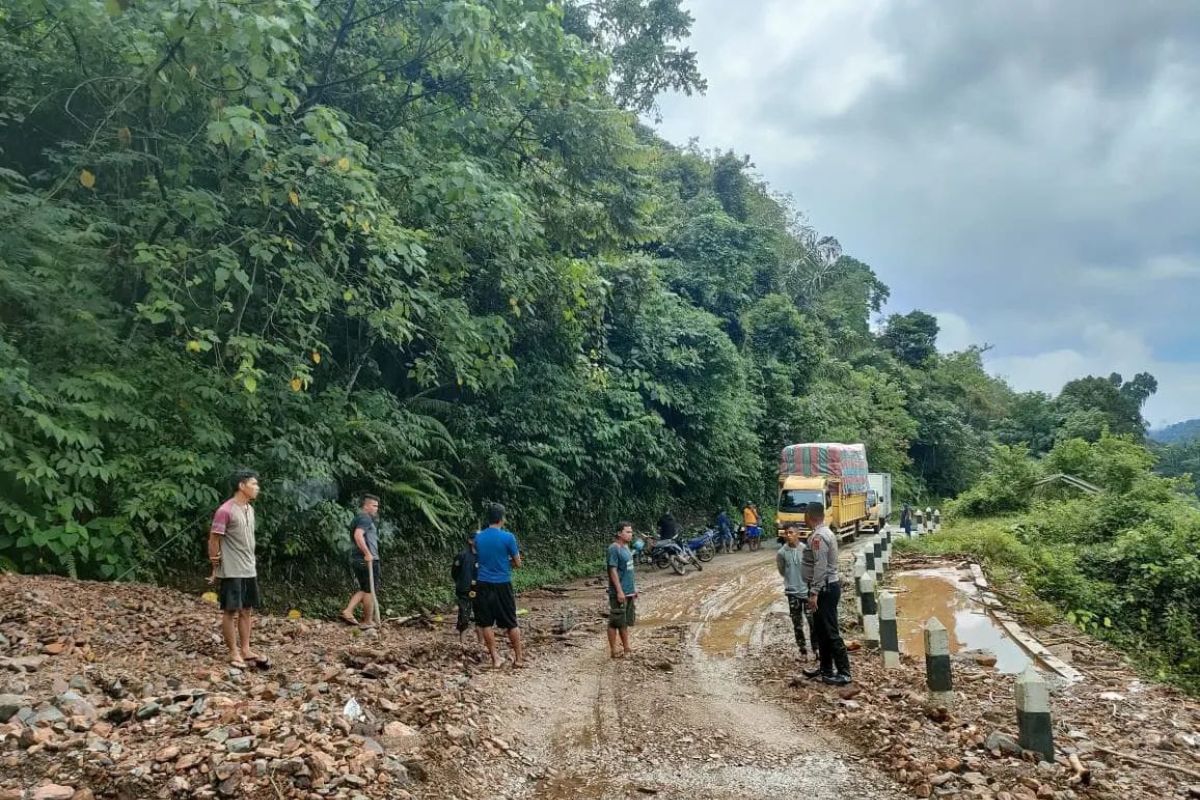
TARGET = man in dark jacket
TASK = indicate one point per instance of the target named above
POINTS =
(463, 571)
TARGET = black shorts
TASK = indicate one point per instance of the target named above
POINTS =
(360, 574)
(495, 605)
(466, 605)
(238, 593)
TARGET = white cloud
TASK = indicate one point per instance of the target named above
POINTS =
(954, 332)
(1105, 350)
(1033, 166)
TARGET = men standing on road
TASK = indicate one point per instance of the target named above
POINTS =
(364, 561)
(906, 520)
(724, 531)
(463, 571)
(752, 520)
(231, 553)
(622, 591)
(495, 604)
(789, 560)
(824, 595)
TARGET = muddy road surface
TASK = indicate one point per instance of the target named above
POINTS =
(687, 717)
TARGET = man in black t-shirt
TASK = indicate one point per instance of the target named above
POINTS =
(464, 571)
(364, 560)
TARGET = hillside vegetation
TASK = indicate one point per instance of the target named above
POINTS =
(425, 250)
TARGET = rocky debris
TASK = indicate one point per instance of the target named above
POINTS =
(126, 690)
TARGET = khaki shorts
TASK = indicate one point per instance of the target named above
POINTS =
(622, 615)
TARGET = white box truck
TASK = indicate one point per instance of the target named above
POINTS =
(879, 499)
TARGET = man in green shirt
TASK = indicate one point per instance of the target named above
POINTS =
(622, 592)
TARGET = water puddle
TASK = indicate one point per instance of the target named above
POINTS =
(940, 593)
(725, 615)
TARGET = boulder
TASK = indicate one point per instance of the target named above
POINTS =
(1003, 743)
(10, 704)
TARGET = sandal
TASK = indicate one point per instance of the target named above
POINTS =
(349, 619)
(237, 663)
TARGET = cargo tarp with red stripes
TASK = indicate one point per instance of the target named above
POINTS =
(845, 461)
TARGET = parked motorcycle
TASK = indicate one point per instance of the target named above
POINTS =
(641, 553)
(704, 545)
(670, 553)
(745, 539)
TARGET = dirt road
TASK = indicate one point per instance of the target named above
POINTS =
(685, 718)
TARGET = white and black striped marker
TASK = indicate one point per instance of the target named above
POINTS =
(860, 569)
(937, 662)
(889, 635)
(1033, 714)
(870, 610)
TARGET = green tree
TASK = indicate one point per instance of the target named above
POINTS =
(911, 337)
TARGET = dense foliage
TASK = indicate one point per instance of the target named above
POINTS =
(1179, 433)
(426, 250)
(1124, 564)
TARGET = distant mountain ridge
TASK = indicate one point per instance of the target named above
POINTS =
(1179, 432)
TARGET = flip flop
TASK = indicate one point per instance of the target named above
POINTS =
(349, 619)
(238, 664)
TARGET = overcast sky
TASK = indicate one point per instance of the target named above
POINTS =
(1027, 171)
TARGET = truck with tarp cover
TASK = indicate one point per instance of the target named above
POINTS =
(832, 474)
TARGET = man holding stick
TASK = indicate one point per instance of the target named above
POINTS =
(365, 562)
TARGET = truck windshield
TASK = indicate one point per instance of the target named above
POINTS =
(795, 501)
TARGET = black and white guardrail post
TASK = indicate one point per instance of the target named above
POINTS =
(870, 610)
(860, 569)
(937, 662)
(889, 634)
(868, 555)
(877, 549)
(1033, 714)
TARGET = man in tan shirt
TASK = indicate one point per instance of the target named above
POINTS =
(231, 552)
(824, 595)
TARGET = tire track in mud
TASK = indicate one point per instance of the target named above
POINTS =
(684, 719)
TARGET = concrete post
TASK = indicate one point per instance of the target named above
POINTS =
(937, 519)
(1033, 714)
(869, 559)
(889, 635)
(860, 569)
(877, 549)
(870, 611)
(928, 519)
(937, 662)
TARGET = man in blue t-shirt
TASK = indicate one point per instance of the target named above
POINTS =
(622, 592)
(496, 553)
